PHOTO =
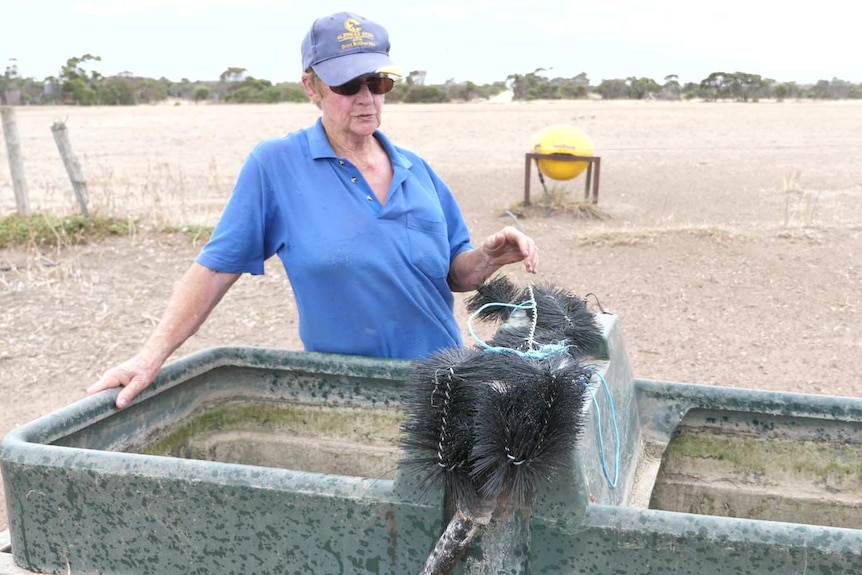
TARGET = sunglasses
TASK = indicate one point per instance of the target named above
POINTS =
(376, 85)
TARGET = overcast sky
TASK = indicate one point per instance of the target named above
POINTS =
(478, 40)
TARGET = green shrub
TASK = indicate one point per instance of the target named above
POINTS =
(42, 230)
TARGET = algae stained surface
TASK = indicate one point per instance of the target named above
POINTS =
(337, 440)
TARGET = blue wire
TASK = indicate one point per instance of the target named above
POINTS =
(476, 338)
(611, 482)
(543, 351)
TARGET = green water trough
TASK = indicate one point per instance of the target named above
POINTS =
(250, 461)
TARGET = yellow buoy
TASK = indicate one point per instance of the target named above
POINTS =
(562, 139)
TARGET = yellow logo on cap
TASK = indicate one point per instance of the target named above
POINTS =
(355, 37)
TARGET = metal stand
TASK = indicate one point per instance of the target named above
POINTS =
(592, 183)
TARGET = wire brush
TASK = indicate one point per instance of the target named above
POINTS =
(440, 411)
(527, 422)
(497, 290)
(495, 428)
(553, 316)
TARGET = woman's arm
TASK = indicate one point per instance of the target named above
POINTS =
(196, 295)
(472, 268)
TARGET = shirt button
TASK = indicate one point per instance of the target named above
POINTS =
(340, 162)
(368, 198)
(353, 179)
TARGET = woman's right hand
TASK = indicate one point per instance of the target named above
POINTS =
(195, 296)
(133, 375)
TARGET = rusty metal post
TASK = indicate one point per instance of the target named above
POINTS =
(598, 163)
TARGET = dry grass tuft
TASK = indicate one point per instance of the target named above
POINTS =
(642, 235)
(40, 250)
(559, 201)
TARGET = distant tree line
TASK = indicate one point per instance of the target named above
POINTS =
(78, 84)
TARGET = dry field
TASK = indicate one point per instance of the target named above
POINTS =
(731, 250)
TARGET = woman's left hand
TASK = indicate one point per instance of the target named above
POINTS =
(509, 246)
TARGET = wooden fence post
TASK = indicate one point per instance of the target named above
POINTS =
(16, 161)
(73, 168)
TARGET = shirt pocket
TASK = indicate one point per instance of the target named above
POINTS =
(429, 246)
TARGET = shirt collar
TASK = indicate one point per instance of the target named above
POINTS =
(320, 148)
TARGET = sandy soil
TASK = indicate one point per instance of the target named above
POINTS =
(731, 250)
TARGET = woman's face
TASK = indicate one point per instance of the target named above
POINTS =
(352, 116)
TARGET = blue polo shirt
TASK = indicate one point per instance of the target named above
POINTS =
(369, 279)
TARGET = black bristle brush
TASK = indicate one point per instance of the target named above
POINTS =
(548, 315)
(556, 317)
(495, 291)
(437, 437)
(437, 433)
(495, 427)
(528, 421)
(560, 311)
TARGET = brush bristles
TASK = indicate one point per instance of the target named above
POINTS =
(532, 416)
(525, 338)
(553, 308)
(582, 336)
(497, 424)
(559, 317)
(500, 423)
(563, 313)
(491, 424)
(497, 290)
(437, 434)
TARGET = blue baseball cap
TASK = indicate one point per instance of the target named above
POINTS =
(344, 46)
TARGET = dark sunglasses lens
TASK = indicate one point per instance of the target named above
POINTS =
(348, 88)
(380, 85)
(377, 85)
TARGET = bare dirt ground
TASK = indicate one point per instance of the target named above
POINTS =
(731, 250)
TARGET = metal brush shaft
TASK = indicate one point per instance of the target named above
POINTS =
(455, 540)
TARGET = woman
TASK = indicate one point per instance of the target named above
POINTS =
(372, 240)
